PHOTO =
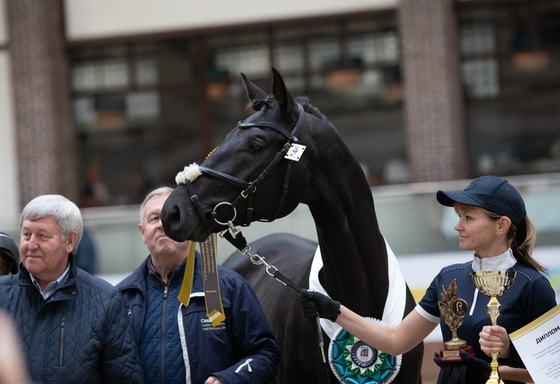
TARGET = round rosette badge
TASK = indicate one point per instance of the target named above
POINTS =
(354, 362)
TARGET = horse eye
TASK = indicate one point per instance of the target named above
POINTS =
(256, 147)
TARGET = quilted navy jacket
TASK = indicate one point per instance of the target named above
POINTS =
(80, 334)
(240, 350)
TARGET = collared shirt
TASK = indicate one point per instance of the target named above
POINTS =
(497, 263)
(153, 270)
(51, 288)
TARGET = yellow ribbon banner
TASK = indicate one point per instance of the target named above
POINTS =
(186, 287)
(211, 281)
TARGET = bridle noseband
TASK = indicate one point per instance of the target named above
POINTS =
(249, 188)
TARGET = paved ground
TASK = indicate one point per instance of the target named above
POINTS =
(429, 369)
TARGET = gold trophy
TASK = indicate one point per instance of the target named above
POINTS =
(493, 284)
(453, 310)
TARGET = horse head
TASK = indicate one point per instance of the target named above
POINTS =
(250, 175)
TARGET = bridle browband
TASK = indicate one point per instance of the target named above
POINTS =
(249, 188)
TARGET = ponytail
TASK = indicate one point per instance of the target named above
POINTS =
(522, 241)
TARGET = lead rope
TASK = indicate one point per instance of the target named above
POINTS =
(236, 238)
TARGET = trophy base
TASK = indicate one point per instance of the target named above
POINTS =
(454, 356)
(494, 381)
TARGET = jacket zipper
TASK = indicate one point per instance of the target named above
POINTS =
(162, 351)
(61, 350)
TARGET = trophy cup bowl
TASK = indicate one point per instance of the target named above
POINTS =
(493, 284)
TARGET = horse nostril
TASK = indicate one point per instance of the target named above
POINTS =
(171, 218)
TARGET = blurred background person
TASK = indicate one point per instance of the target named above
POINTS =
(9, 255)
(86, 255)
(13, 369)
(95, 193)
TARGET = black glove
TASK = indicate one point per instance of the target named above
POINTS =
(316, 304)
(480, 368)
(470, 370)
(437, 361)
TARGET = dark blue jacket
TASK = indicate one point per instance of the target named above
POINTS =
(530, 296)
(240, 350)
(79, 335)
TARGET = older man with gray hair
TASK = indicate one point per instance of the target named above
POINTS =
(73, 326)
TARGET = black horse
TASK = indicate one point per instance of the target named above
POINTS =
(257, 173)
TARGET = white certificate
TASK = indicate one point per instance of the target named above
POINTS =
(538, 345)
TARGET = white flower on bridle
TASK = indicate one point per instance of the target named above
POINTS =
(190, 173)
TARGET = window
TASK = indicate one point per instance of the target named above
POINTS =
(144, 110)
(512, 86)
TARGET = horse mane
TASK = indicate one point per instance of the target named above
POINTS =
(268, 102)
(258, 104)
(310, 108)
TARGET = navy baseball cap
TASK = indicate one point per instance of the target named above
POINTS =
(491, 193)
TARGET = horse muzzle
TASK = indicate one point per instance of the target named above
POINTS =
(179, 218)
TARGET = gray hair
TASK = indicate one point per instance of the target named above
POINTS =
(67, 215)
(156, 192)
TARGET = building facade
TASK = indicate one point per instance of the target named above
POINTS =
(106, 99)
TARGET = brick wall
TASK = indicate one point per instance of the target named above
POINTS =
(434, 110)
(45, 137)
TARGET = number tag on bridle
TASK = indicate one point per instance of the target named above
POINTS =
(294, 152)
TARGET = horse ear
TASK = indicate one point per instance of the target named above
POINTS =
(285, 101)
(253, 92)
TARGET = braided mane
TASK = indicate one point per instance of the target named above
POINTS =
(259, 103)
(268, 102)
(309, 108)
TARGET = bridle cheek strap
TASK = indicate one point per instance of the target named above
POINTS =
(196, 203)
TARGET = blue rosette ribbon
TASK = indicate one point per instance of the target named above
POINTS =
(354, 362)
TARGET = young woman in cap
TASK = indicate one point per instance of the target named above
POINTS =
(493, 223)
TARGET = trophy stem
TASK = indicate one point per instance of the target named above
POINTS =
(494, 375)
(493, 309)
(493, 312)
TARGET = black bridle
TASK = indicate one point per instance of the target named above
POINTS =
(234, 236)
(249, 188)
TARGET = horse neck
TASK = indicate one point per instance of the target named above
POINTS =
(352, 247)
